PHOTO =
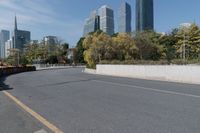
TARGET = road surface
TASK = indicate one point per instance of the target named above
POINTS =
(77, 102)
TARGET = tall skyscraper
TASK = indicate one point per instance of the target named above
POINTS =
(144, 15)
(20, 37)
(106, 20)
(125, 18)
(4, 36)
(92, 23)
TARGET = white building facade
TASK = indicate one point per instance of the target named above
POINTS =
(8, 46)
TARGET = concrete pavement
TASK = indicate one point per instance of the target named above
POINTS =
(82, 103)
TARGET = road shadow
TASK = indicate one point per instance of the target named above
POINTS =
(4, 86)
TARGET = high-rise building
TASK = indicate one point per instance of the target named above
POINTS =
(20, 37)
(50, 40)
(125, 18)
(106, 20)
(4, 36)
(144, 15)
(8, 46)
(92, 23)
(34, 42)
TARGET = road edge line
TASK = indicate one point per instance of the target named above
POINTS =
(151, 89)
(33, 113)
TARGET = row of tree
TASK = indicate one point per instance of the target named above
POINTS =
(98, 47)
(183, 42)
(39, 53)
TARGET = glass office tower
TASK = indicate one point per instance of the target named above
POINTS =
(20, 37)
(125, 18)
(144, 15)
(92, 23)
(106, 20)
(4, 36)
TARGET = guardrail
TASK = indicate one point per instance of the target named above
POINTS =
(13, 70)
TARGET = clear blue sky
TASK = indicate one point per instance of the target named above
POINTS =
(65, 18)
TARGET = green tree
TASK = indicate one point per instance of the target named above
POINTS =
(168, 41)
(94, 46)
(31, 52)
(64, 48)
(52, 59)
(124, 47)
(14, 57)
(189, 36)
(79, 51)
(148, 45)
(46, 53)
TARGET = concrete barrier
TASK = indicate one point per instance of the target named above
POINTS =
(56, 66)
(90, 71)
(172, 73)
(13, 70)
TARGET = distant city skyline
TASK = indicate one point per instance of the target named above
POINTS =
(65, 18)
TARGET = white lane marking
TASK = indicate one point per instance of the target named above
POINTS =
(150, 89)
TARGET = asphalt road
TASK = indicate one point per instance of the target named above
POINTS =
(82, 103)
(15, 120)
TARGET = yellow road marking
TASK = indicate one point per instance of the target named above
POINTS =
(33, 113)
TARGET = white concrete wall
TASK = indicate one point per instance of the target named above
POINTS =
(90, 71)
(174, 73)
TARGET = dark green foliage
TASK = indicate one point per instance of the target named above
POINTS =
(65, 47)
(23, 60)
(148, 45)
(79, 51)
(169, 42)
(52, 59)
